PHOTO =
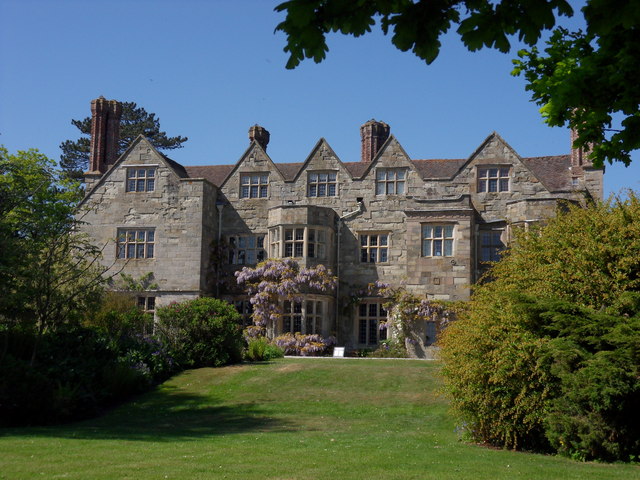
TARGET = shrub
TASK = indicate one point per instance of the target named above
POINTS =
(63, 382)
(118, 316)
(204, 332)
(260, 349)
(557, 368)
(390, 349)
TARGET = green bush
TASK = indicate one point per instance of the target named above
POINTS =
(557, 369)
(64, 381)
(119, 316)
(204, 332)
(391, 348)
(260, 349)
(76, 373)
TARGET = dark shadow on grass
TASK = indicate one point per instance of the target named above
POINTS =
(164, 415)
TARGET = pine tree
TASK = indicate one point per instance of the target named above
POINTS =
(135, 121)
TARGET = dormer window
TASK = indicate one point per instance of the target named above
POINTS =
(390, 181)
(254, 185)
(493, 179)
(141, 179)
(322, 184)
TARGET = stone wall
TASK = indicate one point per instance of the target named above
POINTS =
(178, 210)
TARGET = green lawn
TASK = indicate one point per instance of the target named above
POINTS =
(290, 419)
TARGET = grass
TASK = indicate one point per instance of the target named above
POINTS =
(291, 419)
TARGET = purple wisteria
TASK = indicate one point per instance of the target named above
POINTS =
(276, 280)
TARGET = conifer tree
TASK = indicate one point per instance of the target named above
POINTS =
(135, 121)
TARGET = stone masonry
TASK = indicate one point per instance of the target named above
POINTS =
(428, 225)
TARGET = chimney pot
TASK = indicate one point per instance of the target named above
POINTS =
(260, 135)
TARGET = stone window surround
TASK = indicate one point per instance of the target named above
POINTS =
(146, 303)
(493, 178)
(135, 243)
(375, 248)
(254, 185)
(369, 314)
(306, 241)
(437, 239)
(490, 245)
(304, 316)
(319, 186)
(137, 183)
(391, 181)
(246, 249)
(244, 308)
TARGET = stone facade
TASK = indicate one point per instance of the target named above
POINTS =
(428, 225)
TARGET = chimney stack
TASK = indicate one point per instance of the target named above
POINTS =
(373, 135)
(260, 135)
(105, 134)
(579, 156)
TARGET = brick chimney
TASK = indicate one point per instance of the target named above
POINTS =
(373, 135)
(579, 156)
(260, 135)
(105, 133)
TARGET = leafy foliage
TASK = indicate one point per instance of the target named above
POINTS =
(586, 80)
(49, 273)
(204, 332)
(260, 349)
(416, 26)
(557, 368)
(135, 121)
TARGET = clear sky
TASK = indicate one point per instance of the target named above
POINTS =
(210, 69)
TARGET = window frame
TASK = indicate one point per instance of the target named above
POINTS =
(379, 249)
(254, 180)
(137, 183)
(245, 308)
(302, 315)
(285, 241)
(495, 248)
(316, 184)
(388, 179)
(240, 247)
(501, 178)
(433, 239)
(124, 243)
(367, 322)
(146, 303)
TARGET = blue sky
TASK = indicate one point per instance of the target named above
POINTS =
(211, 68)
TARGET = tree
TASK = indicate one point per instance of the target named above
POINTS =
(585, 80)
(558, 367)
(134, 121)
(49, 272)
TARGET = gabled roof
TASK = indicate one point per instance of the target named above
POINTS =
(442, 168)
(356, 169)
(554, 171)
(215, 174)
(177, 168)
(254, 145)
(289, 171)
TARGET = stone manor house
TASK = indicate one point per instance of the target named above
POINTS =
(430, 225)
